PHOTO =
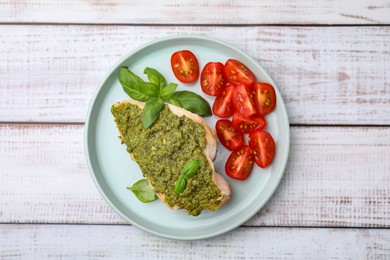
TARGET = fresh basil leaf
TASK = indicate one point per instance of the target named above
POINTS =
(190, 168)
(155, 77)
(180, 184)
(168, 90)
(131, 84)
(151, 112)
(143, 191)
(150, 89)
(192, 102)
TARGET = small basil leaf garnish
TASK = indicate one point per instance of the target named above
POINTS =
(168, 90)
(155, 77)
(191, 102)
(143, 191)
(151, 112)
(188, 171)
(180, 184)
(190, 168)
(150, 89)
(131, 84)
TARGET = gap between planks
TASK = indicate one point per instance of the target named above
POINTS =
(242, 226)
(291, 125)
(192, 25)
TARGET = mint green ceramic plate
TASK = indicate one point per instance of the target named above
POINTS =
(112, 169)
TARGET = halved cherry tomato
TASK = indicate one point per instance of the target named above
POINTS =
(265, 97)
(243, 101)
(247, 125)
(223, 104)
(238, 73)
(185, 66)
(228, 135)
(240, 163)
(263, 147)
(212, 79)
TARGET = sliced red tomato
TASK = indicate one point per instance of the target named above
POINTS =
(212, 79)
(263, 147)
(247, 125)
(243, 101)
(228, 135)
(223, 104)
(265, 97)
(185, 66)
(240, 163)
(237, 73)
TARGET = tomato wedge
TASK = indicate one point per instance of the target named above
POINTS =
(237, 73)
(243, 101)
(228, 135)
(212, 79)
(265, 97)
(263, 147)
(223, 104)
(185, 66)
(247, 125)
(240, 163)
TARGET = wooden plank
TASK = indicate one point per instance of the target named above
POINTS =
(327, 75)
(113, 242)
(195, 12)
(335, 176)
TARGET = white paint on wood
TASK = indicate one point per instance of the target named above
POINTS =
(127, 242)
(335, 177)
(197, 12)
(327, 75)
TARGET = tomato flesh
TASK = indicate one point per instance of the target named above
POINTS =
(265, 97)
(240, 163)
(212, 79)
(237, 73)
(263, 147)
(185, 66)
(247, 125)
(228, 135)
(223, 104)
(243, 101)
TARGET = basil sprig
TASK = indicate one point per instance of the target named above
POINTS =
(143, 191)
(156, 91)
(188, 171)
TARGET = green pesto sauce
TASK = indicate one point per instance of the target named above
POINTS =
(163, 149)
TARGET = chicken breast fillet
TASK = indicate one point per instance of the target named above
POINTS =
(209, 150)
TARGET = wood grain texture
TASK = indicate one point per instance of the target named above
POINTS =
(127, 242)
(197, 12)
(327, 75)
(336, 177)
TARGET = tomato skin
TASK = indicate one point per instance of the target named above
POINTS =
(240, 163)
(243, 101)
(212, 79)
(265, 97)
(237, 73)
(228, 135)
(263, 147)
(185, 66)
(247, 125)
(223, 104)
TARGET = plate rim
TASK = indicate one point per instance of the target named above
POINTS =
(88, 157)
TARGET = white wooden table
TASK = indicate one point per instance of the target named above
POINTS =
(331, 62)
